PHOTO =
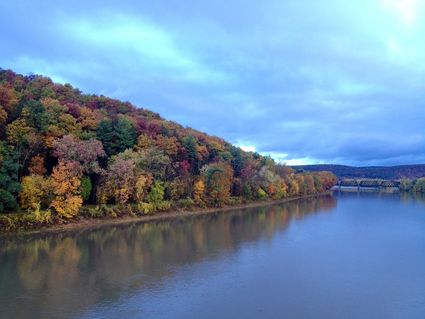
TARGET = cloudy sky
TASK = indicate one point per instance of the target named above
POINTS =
(324, 81)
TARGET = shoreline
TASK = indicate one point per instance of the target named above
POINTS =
(93, 223)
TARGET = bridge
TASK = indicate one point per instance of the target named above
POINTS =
(368, 182)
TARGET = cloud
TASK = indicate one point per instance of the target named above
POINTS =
(303, 81)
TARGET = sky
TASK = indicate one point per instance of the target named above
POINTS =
(324, 81)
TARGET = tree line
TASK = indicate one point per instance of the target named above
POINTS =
(413, 185)
(65, 154)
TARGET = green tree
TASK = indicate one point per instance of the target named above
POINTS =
(9, 185)
(35, 115)
(86, 187)
(105, 133)
(156, 195)
(125, 135)
(246, 191)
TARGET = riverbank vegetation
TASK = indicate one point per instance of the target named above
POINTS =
(65, 155)
(416, 186)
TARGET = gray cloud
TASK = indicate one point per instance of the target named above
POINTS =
(324, 81)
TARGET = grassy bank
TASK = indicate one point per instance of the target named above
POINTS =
(99, 216)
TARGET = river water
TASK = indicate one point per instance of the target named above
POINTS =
(350, 255)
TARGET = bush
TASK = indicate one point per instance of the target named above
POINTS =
(233, 201)
(38, 217)
(261, 194)
(7, 223)
(185, 202)
(146, 208)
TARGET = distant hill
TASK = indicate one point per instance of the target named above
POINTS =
(384, 172)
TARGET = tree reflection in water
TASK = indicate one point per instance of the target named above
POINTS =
(63, 274)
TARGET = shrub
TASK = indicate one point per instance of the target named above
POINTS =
(261, 194)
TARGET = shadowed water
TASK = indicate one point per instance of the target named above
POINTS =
(353, 255)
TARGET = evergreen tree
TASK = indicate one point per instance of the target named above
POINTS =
(125, 135)
(105, 133)
(9, 185)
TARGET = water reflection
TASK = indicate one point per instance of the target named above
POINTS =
(61, 275)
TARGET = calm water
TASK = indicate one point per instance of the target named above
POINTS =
(347, 256)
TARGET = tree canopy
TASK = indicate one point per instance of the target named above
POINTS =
(61, 149)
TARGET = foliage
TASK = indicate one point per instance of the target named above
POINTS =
(86, 187)
(261, 194)
(60, 146)
(198, 192)
(9, 185)
(66, 188)
(419, 186)
(218, 178)
(86, 153)
(36, 192)
(119, 182)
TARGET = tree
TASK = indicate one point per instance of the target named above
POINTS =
(119, 182)
(105, 133)
(419, 186)
(35, 115)
(66, 188)
(36, 192)
(191, 145)
(198, 191)
(125, 135)
(309, 184)
(154, 161)
(246, 191)
(86, 153)
(86, 187)
(8, 98)
(143, 182)
(9, 185)
(25, 140)
(156, 195)
(37, 165)
(218, 177)
(261, 194)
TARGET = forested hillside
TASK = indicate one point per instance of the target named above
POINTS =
(383, 172)
(64, 153)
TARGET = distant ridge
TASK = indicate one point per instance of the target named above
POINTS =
(384, 172)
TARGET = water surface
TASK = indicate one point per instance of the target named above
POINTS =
(353, 255)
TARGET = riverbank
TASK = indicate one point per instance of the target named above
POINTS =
(85, 223)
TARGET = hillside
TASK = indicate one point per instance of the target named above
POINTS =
(384, 172)
(61, 149)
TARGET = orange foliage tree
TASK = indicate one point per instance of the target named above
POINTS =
(66, 188)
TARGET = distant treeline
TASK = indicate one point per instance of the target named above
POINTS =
(381, 172)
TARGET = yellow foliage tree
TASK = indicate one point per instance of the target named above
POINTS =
(66, 188)
(198, 191)
(143, 182)
(35, 191)
(3, 116)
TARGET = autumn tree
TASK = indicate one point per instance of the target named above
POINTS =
(218, 177)
(36, 192)
(36, 166)
(66, 188)
(119, 182)
(86, 153)
(198, 191)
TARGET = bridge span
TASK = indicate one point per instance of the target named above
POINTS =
(368, 182)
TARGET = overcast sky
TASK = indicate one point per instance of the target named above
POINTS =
(307, 81)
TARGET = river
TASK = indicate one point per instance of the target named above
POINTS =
(350, 255)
